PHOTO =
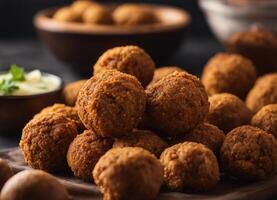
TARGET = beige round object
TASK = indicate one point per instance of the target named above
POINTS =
(111, 103)
(128, 59)
(128, 173)
(263, 93)
(190, 167)
(97, 14)
(5, 172)
(207, 134)
(229, 73)
(71, 92)
(144, 139)
(162, 72)
(69, 112)
(33, 185)
(249, 153)
(227, 112)
(85, 151)
(266, 119)
(177, 103)
(45, 141)
(66, 15)
(80, 6)
(134, 14)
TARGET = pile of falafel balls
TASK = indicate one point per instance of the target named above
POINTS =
(135, 128)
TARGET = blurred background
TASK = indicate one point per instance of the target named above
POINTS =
(19, 42)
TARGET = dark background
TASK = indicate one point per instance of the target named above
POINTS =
(16, 15)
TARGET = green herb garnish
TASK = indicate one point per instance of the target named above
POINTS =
(8, 87)
(17, 73)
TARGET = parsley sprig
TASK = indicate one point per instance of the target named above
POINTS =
(8, 86)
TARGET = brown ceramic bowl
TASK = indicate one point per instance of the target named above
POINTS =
(79, 45)
(16, 111)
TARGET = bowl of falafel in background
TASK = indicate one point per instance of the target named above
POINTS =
(246, 27)
(79, 33)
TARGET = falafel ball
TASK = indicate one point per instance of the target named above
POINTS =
(45, 141)
(177, 103)
(164, 71)
(33, 185)
(229, 73)
(97, 14)
(71, 91)
(69, 112)
(80, 6)
(6, 172)
(249, 153)
(191, 167)
(205, 133)
(66, 14)
(111, 103)
(266, 119)
(128, 59)
(263, 93)
(85, 151)
(139, 173)
(134, 14)
(144, 139)
(227, 112)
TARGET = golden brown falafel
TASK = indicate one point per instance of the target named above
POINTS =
(162, 72)
(266, 119)
(144, 139)
(227, 112)
(190, 166)
(6, 172)
(66, 14)
(177, 103)
(45, 141)
(139, 173)
(69, 112)
(111, 103)
(128, 59)
(134, 14)
(205, 133)
(85, 151)
(80, 6)
(263, 93)
(97, 14)
(229, 73)
(249, 153)
(71, 92)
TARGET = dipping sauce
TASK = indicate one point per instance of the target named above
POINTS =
(16, 82)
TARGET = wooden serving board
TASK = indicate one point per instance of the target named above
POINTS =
(225, 190)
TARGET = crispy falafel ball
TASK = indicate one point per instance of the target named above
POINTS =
(229, 73)
(263, 93)
(162, 72)
(45, 141)
(134, 14)
(266, 119)
(144, 139)
(66, 14)
(205, 133)
(111, 103)
(177, 103)
(33, 185)
(227, 112)
(71, 92)
(128, 59)
(249, 153)
(80, 6)
(97, 14)
(6, 172)
(190, 166)
(69, 112)
(85, 151)
(139, 173)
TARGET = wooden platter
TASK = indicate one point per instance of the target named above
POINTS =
(226, 190)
